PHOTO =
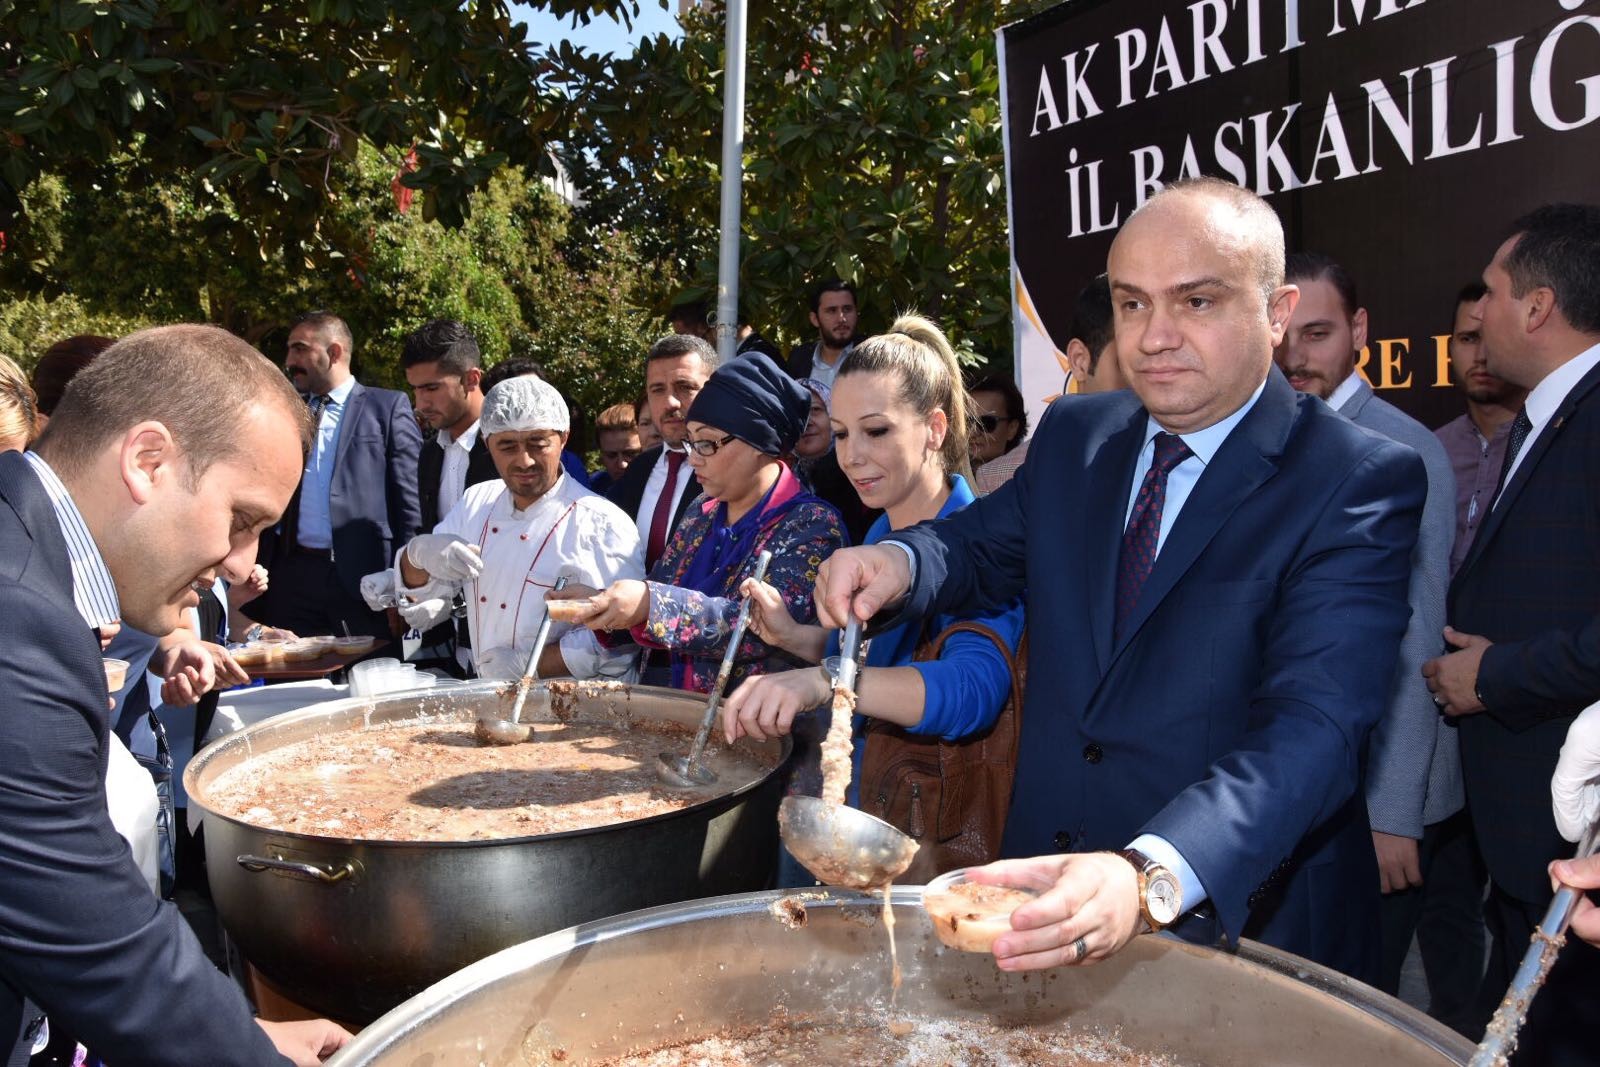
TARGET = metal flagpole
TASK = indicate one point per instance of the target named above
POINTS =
(732, 175)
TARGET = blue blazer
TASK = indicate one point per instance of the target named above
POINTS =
(81, 935)
(1231, 716)
(1531, 584)
(372, 499)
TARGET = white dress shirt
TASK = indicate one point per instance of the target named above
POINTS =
(1347, 389)
(453, 472)
(131, 798)
(1548, 396)
(570, 531)
(655, 484)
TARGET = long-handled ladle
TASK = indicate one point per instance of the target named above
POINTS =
(687, 772)
(493, 731)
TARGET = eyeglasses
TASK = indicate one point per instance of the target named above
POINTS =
(709, 448)
(629, 454)
(991, 423)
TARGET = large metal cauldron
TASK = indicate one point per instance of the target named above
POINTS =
(352, 928)
(683, 970)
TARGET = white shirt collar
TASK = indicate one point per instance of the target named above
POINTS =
(340, 393)
(468, 438)
(1547, 396)
(1347, 389)
(1204, 443)
(94, 594)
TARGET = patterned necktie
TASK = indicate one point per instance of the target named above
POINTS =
(318, 405)
(656, 543)
(1140, 539)
(1521, 426)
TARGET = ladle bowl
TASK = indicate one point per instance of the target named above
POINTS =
(843, 846)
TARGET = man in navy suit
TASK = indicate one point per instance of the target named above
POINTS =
(1235, 560)
(139, 494)
(1524, 609)
(357, 499)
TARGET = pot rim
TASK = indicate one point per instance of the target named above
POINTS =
(329, 708)
(443, 994)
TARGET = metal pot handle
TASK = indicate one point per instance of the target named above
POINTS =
(325, 875)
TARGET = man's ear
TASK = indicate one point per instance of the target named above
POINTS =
(1358, 329)
(148, 459)
(1078, 360)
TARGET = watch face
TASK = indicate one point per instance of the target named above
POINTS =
(1162, 897)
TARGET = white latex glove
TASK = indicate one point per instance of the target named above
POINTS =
(378, 590)
(1575, 787)
(424, 614)
(445, 556)
(502, 664)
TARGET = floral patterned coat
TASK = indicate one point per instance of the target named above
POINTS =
(694, 624)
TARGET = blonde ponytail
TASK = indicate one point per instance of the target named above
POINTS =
(920, 356)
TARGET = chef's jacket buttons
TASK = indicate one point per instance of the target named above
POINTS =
(1062, 840)
(483, 600)
(494, 529)
(502, 607)
(1092, 753)
(524, 537)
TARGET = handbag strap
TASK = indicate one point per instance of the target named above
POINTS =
(930, 650)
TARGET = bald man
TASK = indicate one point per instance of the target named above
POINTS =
(1235, 560)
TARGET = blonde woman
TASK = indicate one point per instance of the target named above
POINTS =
(900, 422)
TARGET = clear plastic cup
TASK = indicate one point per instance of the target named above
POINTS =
(116, 673)
(967, 915)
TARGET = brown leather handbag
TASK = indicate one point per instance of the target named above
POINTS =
(950, 797)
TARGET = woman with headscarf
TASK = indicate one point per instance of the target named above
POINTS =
(748, 415)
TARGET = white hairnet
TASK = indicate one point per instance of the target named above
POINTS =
(523, 404)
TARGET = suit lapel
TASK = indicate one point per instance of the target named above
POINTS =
(1110, 481)
(1536, 452)
(21, 486)
(1245, 461)
(347, 418)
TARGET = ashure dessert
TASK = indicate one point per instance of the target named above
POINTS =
(890, 1040)
(969, 916)
(431, 781)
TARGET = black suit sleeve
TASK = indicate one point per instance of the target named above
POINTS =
(405, 446)
(1551, 676)
(81, 935)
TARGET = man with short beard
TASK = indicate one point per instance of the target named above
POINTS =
(444, 368)
(835, 312)
(1476, 440)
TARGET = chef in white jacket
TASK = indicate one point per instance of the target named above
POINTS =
(505, 543)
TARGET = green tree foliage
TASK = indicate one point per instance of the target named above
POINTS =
(260, 98)
(873, 152)
(114, 258)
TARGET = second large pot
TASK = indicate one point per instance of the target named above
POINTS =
(352, 928)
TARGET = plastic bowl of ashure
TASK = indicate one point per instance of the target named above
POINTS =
(969, 915)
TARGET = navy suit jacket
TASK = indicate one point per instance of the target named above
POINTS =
(1230, 717)
(372, 497)
(81, 935)
(1531, 584)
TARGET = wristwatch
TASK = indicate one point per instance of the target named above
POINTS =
(1160, 894)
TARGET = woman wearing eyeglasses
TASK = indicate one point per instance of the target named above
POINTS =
(748, 414)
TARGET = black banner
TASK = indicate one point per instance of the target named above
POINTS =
(1400, 138)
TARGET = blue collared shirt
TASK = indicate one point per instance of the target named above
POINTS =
(316, 523)
(94, 594)
(1182, 478)
(1181, 481)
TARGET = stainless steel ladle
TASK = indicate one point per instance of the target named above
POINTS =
(841, 845)
(687, 772)
(492, 731)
